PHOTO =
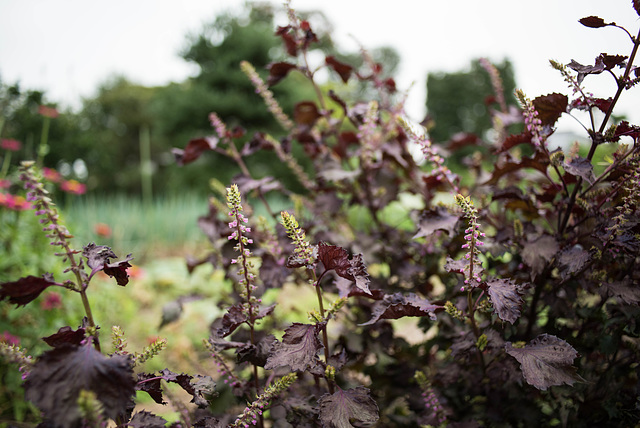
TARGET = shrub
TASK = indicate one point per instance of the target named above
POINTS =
(522, 277)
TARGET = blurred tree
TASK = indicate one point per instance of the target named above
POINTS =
(105, 134)
(457, 102)
(112, 122)
(182, 110)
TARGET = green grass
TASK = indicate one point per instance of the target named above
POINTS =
(168, 226)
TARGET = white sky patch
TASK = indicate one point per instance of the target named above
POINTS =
(68, 48)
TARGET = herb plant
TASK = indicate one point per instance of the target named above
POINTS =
(521, 274)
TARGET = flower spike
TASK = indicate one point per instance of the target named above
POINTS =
(473, 270)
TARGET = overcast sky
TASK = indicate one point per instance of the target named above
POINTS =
(69, 47)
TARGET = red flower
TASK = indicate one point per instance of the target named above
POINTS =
(11, 145)
(72, 186)
(102, 229)
(48, 111)
(5, 184)
(9, 338)
(51, 301)
(52, 175)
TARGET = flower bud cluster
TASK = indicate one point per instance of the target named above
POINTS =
(91, 409)
(303, 250)
(630, 201)
(531, 119)
(267, 96)
(252, 412)
(227, 376)
(441, 171)
(17, 355)
(150, 351)
(473, 270)
(118, 340)
(571, 80)
(430, 399)
(453, 311)
(218, 125)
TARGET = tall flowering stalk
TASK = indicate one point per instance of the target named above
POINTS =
(571, 80)
(368, 135)
(630, 202)
(473, 267)
(267, 96)
(253, 412)
(304, 255)
(430, 399)
(302, 251)
(223, 134)
(473, 270)
(238, 225)
(441, 171)
(496, 82)
(498, 90)
(531, 120)
(250, 305)
(59, 236)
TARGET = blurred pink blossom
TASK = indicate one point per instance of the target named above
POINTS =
(14, 202)
(52, 300)
(51, 175)
(11, 145)
(48, 111)
(9, 338)
(73, 186)
(5, 184)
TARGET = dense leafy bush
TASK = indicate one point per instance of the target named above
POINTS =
(521, 275)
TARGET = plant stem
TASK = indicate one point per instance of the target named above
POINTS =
(5, 165)
(145, 166)
(474, 326)
(621, 83)
(87, 310)
(43, 148)
(325, 340)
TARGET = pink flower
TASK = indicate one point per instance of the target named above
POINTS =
(48, 111)
(11, 145)
(73, 186)
(52, 175)
(15, 203)
(9, 338)
(5, 184)
(51, 301)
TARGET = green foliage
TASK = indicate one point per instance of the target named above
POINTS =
(457, 102)
(120, 221)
